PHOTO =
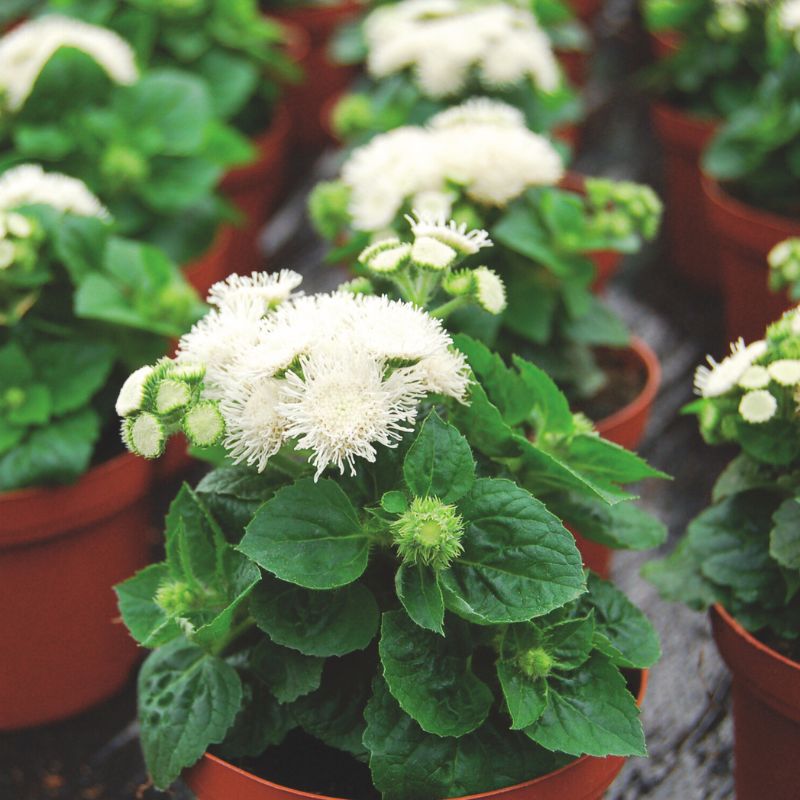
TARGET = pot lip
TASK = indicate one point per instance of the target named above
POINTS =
(217, 248)
(745, 214)
(318, 16)
(668, 115)
(748, 639)
(98, 493)
(647, 357)
(219, 762)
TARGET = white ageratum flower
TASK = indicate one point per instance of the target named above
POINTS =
(718, 378)
(342, 413)
(386, 171)
(264, 290)
(785, 371)
(132, 394)
(758, 406)
(255, 429)
(490, 291)
(444, 372)
(449, 233)
(29, 184)
(480, 111)
(789, 19)
(444, 42)
(26, 50)
(432, 254)
(8, 253)
(433, 203)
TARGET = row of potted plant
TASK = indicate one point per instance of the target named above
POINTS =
(727, 116)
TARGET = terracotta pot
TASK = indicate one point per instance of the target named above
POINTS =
(256, 190)
(323, 78)
(693, 250)
(214, 265)
(745, 235)
(586, 9)
(61, 552)
(766, 713)
(586, 778)
(626, 426)
(664, 44)
(596, 557)
(575, 64)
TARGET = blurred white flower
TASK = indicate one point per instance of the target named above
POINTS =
(479, 110)
(755, 377)
(265, 289)
(758, 406)
(449, 232)
(29, 184)
(26, 50)
(718, 378)
(785, 371)
(445, 42)
(131, 395)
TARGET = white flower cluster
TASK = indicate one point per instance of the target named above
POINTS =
(13, 227)
(25, 51)
(481, 147)
(337, 374)
(789, 19)
(446, 42)
(29, 184)
(719, 378)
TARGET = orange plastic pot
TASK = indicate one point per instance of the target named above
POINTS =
(766, 713)
(62, 646)
(256, 190)
(214, 265)
(693, 250)
(587, 778)
(323, 78)
(745, 235)
(626, 427)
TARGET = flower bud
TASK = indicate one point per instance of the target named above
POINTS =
(175, 598)
(204, 424)
(172, 394)
(429, 533)
(536, 663)
(123, 166)
(144, 435)
(386, 256)
(430, 253)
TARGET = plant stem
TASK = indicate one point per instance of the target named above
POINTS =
(234, 633)
(446, 309)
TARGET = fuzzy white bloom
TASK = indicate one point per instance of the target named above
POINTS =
(444, 42)
(131, 395)
(339, 374)
(758, 406)
(255, 429)
(29, 184)
(25, 51)
(265, 290)
(433, 203)
(448, 232)
(490, 291)
(430, 253)
(480, 111)
(342, 413)
(493, 161)
(755, 377)
(386, 171)
(785, 371)
(789, 16)
(17, 225)
(718, 378)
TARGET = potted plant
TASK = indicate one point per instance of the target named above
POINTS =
(710, 67)
(753, 199)
(479, 163)
(324, 78)
(74, 513)
(740, 556)
(422, 58)
(453, 631)
(242, 57)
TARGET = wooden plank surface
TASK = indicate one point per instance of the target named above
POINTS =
(686, 712)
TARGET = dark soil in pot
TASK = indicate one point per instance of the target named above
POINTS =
(625, 381)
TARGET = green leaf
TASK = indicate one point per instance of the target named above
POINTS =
(431, 678)
(79, 243)
(73, 370)
(187, 701)
(407, 762)
(231, 80)
(308, 534)
(439, 463)
(597, 326)
(570, 642)
(418, 589)
(394, 502)
(551, 407)
(622, 631)
(327, 623)
(607, 462)
(59, 453)
(784, 539)
(146, 620)
(483, 425)
(591, 711)
(518, 561)
(35, 409)
(525, 697)
(287, 673)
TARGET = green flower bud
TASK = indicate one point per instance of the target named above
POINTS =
(327, 207)
(357, 286)
(8, 253)
(386, 256)
(172, 394)
(458, 283)
(175, 598)
(352, 115)
(144, 435)
(14, 397)
(204, 424)
(536, 663)
(123, 166)
(429, 533)
(430, 253)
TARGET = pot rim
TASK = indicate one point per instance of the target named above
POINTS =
(316, 20)
(683, 130)
(649, 360)
(217, 249)
(58, 510)
(301, 795)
